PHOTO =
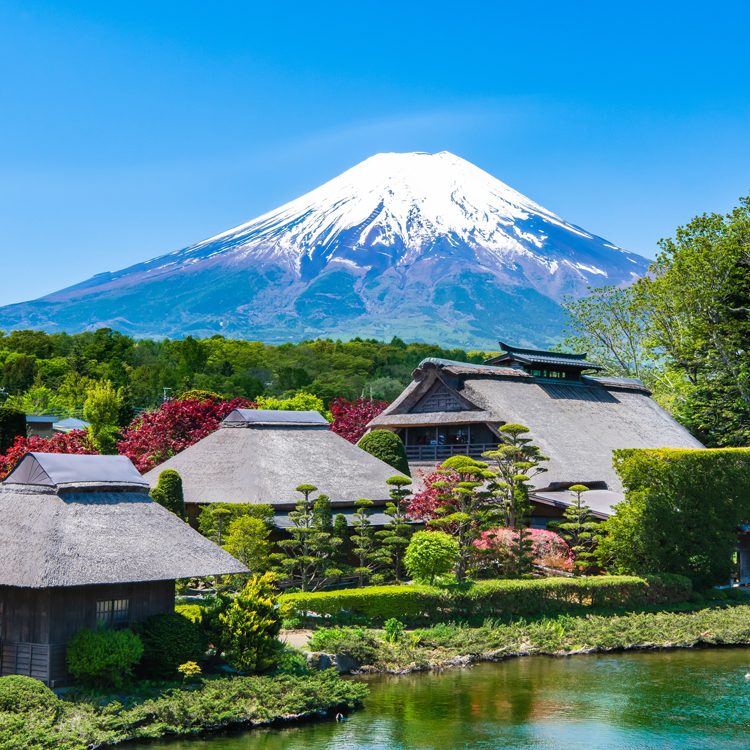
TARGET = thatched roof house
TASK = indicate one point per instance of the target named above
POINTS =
(576, 419)
(81, 541)
(259, 456)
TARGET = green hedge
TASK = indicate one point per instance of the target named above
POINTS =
(494, 598)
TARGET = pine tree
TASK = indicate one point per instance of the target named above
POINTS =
(578, 530)
(364, 545)
(396, 533)
(341, 532)
(468, 507)
(308, 554)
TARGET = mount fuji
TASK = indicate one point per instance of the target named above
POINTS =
(423, 246)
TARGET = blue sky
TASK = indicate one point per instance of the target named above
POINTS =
(131, 129)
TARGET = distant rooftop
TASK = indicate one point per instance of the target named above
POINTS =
(250, 417)
(54, 469)
(513, 354)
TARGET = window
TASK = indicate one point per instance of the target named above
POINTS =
(114, 613)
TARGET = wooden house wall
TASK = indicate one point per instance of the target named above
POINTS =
(38, 623)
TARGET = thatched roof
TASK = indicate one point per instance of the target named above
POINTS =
(601, 502)
(576, 424)
(56, 531)
(263, 463)
(246, 417)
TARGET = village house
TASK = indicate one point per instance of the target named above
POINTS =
(574, 416)
(260, 456)
(82, 543)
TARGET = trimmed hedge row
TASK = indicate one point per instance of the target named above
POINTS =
(494, 598)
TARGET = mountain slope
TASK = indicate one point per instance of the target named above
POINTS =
(417, 245)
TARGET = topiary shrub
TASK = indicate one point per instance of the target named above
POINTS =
(169, 639)
(19, 694)
(12, 424)
(430, 554)
(252, 624)
(168, 493)
(386, 446)
(103, 658)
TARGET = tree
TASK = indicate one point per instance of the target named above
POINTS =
(386, 446)
(430, 554)
(248, 542)
(102, 411)
(364, 545)
(341, 532)
(168, 493)
(216, 518)
(578, 530)
(308, 553)
(425, 504)
(12, 425)
(350, 418)
(468, 508)
(396, 533)
(680, 513)
(251, 626)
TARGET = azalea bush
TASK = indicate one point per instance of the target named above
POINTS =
(157, 435)
(350, 418)
(75, 441)
(547, 548)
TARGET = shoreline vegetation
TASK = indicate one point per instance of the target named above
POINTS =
(81, 721)
(360, 650)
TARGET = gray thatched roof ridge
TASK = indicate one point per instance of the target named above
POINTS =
(601, 502)
(252, 417)
(264, 465)
(75, 537)
(55, 469)
(576, 424)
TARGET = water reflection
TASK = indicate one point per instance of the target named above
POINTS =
(686, 700)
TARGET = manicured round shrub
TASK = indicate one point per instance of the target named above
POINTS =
(386, 446)
(168, 493)
(169, 639)
(103, 658)
(430, 554)
(19, 694)
(12, 424)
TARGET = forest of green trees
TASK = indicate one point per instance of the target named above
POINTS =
(53, 372)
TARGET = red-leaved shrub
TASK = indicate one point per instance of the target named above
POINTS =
(423, 504)
(350, 418)
(157, 435)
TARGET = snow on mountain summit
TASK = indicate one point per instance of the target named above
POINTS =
(422, 246)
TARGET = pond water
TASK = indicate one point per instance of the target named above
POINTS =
(686, 700)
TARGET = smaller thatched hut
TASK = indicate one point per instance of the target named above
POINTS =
(259, 456)
(82, 542)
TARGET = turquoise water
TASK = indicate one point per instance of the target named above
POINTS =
(686, 700)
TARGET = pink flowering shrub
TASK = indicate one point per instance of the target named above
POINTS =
(549, 549)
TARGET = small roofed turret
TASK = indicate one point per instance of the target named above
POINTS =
(543, 364)
(81, 542)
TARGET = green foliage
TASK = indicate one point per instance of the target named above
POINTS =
(309, 553)
(683, 328)
(386, 446)
(102, 410)
(369, 557)
(394, 630)
(395, 535)
(359, 644)
(216, 519)
(12, 424)
(19, 694)
(680, 513)
(200, 396)
(103, 657)
(168, 493)
(468, 506)
(341, 532)
(492, 598)
(169, 639)
(430, 554)
(212, 705)
(578, 530)
(248, 543)
(299, 402)
(252, 624)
